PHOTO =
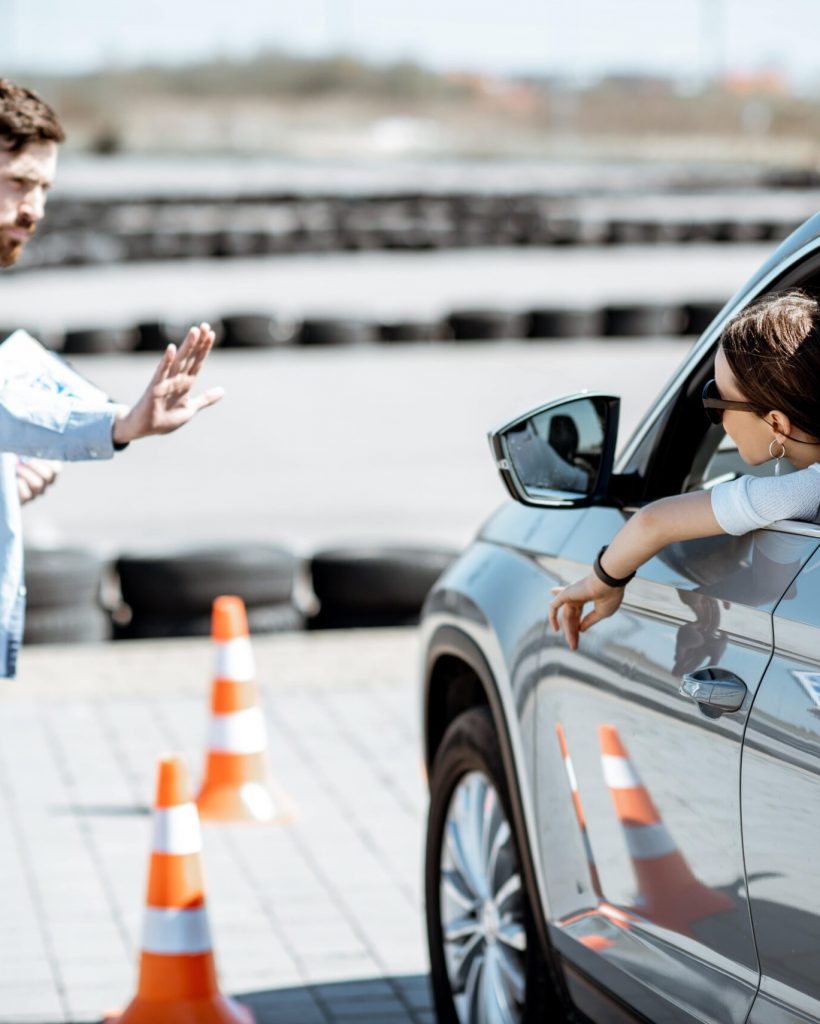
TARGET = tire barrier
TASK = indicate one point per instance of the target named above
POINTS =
(566, 323)
(644, 321)
(487, 325)
(414, 330)
(332, 331)
(78, 233)
(374, 586)
(699, 315)
(250, 330)
(101, 339)
(189, 581)
(171, 595)
(263, 619)
(63, 591)
(262, 331)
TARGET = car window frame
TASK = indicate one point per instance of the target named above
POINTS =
(803, 263)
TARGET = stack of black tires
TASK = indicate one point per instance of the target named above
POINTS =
(76, 596)
(171, 595)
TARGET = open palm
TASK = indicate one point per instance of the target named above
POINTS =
(166, 404)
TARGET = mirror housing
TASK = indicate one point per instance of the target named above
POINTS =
(561, 454)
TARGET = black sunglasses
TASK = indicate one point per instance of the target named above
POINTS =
(714, 405)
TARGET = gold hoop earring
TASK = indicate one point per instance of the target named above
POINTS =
(779, 456)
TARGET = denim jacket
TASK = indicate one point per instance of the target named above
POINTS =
(39, 424)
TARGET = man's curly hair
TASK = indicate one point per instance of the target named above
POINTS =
(25, 118)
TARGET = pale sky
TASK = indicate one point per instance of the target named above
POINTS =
(584, 37)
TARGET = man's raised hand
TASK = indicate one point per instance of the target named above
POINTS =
(166, 403)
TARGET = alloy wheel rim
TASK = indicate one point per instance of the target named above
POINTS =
(482, 907)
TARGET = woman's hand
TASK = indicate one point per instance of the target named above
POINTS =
(166, 403)
(606, 601)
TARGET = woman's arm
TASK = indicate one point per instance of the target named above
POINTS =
(651, 528)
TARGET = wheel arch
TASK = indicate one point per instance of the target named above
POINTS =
(457, 678)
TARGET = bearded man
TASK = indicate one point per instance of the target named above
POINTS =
(36, 425)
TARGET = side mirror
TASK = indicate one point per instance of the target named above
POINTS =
(561, 454)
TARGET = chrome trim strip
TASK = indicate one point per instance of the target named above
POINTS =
(697, 353)
(794, 526)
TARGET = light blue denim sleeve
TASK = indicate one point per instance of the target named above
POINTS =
(38, 424)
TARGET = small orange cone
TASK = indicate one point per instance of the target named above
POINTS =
(670, 894)
(177, 976)
(579, 810)
(237, 784)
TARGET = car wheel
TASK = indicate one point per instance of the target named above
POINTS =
(485, 958)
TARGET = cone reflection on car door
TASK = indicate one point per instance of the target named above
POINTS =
(580, 817)
(669, 893)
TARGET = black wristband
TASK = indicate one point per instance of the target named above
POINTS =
(121, 447)
(604, 576)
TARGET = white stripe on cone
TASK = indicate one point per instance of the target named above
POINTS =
(573, 782)
(176, 830)
(619, 773)
(241, 732)
(645, 842)
(172, 931)
(233, 659)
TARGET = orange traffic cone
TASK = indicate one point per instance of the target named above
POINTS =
(177, 976)
(579, 810)
(237, 785)
(670, 894)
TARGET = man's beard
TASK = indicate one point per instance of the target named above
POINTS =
(11, 249)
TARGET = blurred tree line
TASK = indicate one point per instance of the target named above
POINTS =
(281, 102)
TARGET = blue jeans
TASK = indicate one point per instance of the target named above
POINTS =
(15, 636)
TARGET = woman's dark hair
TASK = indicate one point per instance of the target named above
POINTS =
(773, 350)
(25, 118)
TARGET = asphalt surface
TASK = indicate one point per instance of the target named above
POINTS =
(314, 922)
(375, 285)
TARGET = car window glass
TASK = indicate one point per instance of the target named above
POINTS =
(723, 462)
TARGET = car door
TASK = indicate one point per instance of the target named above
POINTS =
(638, 796)
(780, 796)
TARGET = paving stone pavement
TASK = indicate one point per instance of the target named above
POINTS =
(316, 922)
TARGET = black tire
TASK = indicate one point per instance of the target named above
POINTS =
(186, 583)
(644, 321)
(417, 330)
(566, 323)
(84, 624)
(343, 618)
(273, 618)
(101, 340)
(250, 330)
(471, 744)
(392, 582)
(487, 325)
(337, 332)
(61, 578)
(699, 316)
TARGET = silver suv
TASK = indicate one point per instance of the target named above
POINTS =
(630, 831)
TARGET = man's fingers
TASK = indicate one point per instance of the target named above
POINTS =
(164, 365)
(204, 347)
(207, 398)
(184, 352)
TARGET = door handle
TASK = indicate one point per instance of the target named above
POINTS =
(714, 690)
